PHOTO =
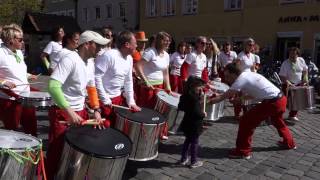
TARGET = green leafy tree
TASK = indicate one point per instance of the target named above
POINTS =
(12, 11)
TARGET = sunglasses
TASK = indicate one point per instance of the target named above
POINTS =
(250, 44)
(19, 39)
(203, 43)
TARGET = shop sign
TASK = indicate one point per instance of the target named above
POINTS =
(297, 19)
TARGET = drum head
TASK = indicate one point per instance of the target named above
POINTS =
(16, 140)
(107, 143)
(220, 86)
(171, 100)
(146, 116)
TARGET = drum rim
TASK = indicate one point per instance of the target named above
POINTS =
(142, 122)
(101, 156)
(36, 147)
(168, 103)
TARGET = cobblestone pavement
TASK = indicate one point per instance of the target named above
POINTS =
(268, 161)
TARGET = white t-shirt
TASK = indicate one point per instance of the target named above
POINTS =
(293, 71)
(112, 73)
(197, 63)
(52, 49)
(255, 85)
(90, 72)
(176, 61)
(256, 59)
(55, 59)
(13, 71)
(155, 65)
(71, 72)
(226, 58)
(246, 61)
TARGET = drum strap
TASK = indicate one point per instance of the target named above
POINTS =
(28, 156)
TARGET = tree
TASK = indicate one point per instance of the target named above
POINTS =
(12, 11)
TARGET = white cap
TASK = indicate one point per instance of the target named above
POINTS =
(92, 36)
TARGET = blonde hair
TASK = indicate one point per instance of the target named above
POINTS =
(214, 50)
(9, 32)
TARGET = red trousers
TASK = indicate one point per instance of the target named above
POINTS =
(56, 138)
(12, 114)
(284, 90)
(148, 96)
(107, 112)
(176, 83)
(251, 119)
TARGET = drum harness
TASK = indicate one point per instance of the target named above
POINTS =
(29, 157)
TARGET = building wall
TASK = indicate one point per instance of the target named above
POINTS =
(60, 7)
(129, 21)
(257, 18)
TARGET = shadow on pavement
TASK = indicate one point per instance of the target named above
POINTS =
(226, 119)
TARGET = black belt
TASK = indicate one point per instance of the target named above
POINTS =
(274, 99)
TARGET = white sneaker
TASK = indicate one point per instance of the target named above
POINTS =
(164, 137)
(196, 164)
(295, 118)
(185, 162)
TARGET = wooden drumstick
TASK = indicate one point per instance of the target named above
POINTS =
(87, 122)
(122, 107)
(28, 84)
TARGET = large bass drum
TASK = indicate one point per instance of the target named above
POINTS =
(144, 130)
(167, 105)
(215, 111)
(94, 154)
(300, 98)
(19, 155)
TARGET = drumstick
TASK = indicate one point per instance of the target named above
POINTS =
(28, 84)
(204, 102)
(87, 122)
(122, 107)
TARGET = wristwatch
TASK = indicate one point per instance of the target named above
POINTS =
(97, 110)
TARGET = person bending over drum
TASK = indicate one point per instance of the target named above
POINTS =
(273, 105)
(67, 87)
(113, 71)
(192, 123)
(293, 72)
(13, 71)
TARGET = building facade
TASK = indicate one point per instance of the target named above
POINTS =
(117, 14)
(60, 7)
(276, 25)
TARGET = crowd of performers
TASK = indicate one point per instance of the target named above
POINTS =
(129, 69)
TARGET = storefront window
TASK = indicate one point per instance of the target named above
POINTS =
(283, 46)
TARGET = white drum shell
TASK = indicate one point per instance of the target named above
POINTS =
(145, 141)
(75, 165)
(168, 107)
(300, 98)
(10, 168)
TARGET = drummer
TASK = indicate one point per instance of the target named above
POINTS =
(13, 71)
(273, 105)
(67, 88)
(195, 63)
(293, 72)
(225, 57)
(113, 71)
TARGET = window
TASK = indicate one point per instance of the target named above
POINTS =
(291, 1)
(85, 14)
(232, 4)
(151, 9)
(109, 10)
(98, 16)
(168, 7)
(122, 9)
(190, 6)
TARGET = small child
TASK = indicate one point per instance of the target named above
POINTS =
(192, 123)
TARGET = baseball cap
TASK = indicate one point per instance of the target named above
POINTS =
(92, 36)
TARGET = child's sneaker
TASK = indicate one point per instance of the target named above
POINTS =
(184, 163)
(164, 138)
(196, 164)
(234, 154)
